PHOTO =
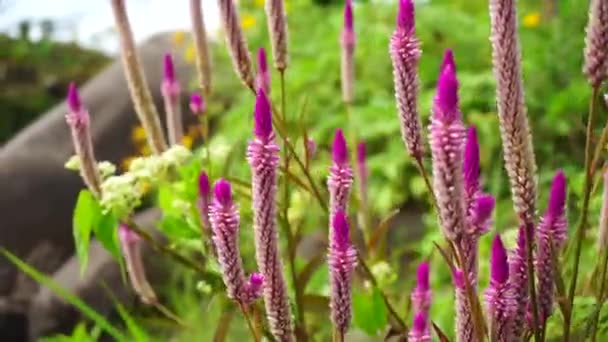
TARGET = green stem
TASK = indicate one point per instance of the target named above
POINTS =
(529, 241)
(580, 231)
(600, 294)
(254, 333)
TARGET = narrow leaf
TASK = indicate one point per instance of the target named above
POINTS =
(86, 215)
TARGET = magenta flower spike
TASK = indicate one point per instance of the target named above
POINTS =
(340, 178)
(171, 94)
(499, 297)
(347, 41)
(405, 52)
(596, 43)
(131, 251)
(262, 155)
(550, 236)
(204, 199)
(197, 104)
(362, 172)
(277, 28)
(342, 259)
(263, 78)
(448, 60)
(465, 329)
(518, 281)
(79, 123)
(238, 48)
(420, 331)
(447, 135)
(224, 217)
(471, 168)
(422, 295)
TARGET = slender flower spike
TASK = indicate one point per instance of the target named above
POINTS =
(602, 240)
(465, 329)
(204, 198)
(405, 53)
(342, 259)
(420, 331)
(239, 51)
(224, 217)
(347, 41)
(197, 104)
(340, 180)
(131, 251)
(263, 78)
(447, 137)
(421, 295)
(171, 95)
(471, 169)
(136, 80)
(277, 28)
(262, 155)
(499, 298)
(203, 57)
(550, 237)
(596, 43)
(517, 146)
(78, 120)
(518, 281)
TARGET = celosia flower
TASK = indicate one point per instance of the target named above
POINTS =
(362, 172)
(518, 281)
(514, 129)
(239, 51)
(340, 178)
(602, 239)
(277, 28)
(447, 137)
(420, 331)
(263, 78)
(197, 104)
(596, 43)
(465, 329)
(203, 60)
(499, 297)
(78, 120)
(421, 295)
(204, 197)
(347, 40)
(262, 155)
(405, 52)
(550, 236)
(471, 169)
(171, 94)
(224, 217)
(342, 259)
(131, 251)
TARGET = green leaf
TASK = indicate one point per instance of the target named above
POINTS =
(86, 216)
(106, 231)
(177, 228)
(66, 295)
(369, 312)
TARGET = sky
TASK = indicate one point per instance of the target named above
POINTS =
(90, 22)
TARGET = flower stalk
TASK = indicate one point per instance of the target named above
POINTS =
(171, 91)
(201, 47)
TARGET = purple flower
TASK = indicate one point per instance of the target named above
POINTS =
(277, 28)
(465, 329)
(263, 79)
(471, 169)
(518, 281)
(347, 40)
(342, 259)
(239, 51)
(550, 236)
(129, 242)
(362, 172)
(421, 295)
(171, 94)
(405, 52)
(224, 217)
(448, 60)
(340, 178)
(197, 104)
(596, 43)
(420, 331)
(79, 122)
(447, 137)
(517, 146)
(262, 155)
(499, 295)
(204, 197)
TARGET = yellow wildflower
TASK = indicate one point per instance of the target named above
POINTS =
(187, 141)
(126, 163)
(144, 150)
(248, 21)
(138, 134)
(179, 37)
(190, 54)
(531, 20)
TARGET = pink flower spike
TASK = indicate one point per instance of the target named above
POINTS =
(197, 103)
(448, 60)
(405, 16)
(471, 169)
(446, 99)
(203, 184)
(74, 98)
(420, 331)
(339, 149)
(223, 192)
(262, 116)
(499, 270)
(263, 77)
(348, 16)
(421, 295)
(169, 69)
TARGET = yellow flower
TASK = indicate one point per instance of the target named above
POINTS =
(179, 37)
(126, 162)
(138, 134)
(248, 21)
(187, 141)
(190, 54)
(144, 150)
(259, 3)
(532, 20)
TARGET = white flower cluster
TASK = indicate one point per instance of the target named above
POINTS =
(106, 169)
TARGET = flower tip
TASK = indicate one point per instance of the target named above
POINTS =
(126, 235)
(484, 204)
(361, 152)
(256, 279)
(420, 322)
(203, 184)
(341, 228)
(499, 264)
(74, 98)
(348, 16)
(262, 64)
(446, 100)
(197, 103)
(422, 277)
(339, 149)
(471, 158)
(169, 70)
(405, 15)
(223, 192)
(557, 197)
(448, 60)
(262, 116)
